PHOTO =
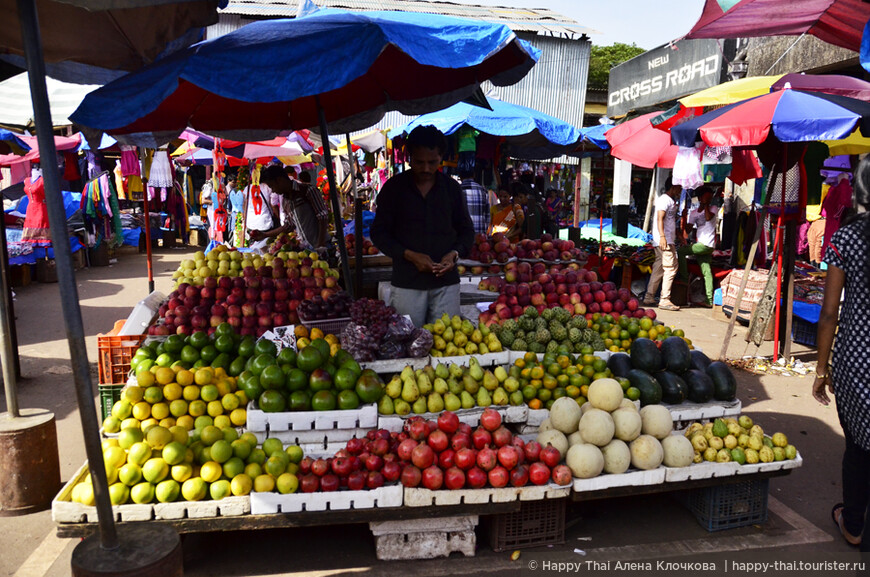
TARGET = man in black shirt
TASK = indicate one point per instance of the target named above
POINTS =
(422, 223)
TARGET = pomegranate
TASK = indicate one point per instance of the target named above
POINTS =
(501, 437)
(550, 456)
(486, 459)
(438, 440)
(392, 471)
(448, 422)
(481, 438)
(418, 430)
(356, 481)
(309, 483)
(532, 451)
(374, 463)
(433, 478)
(539, 473)
(411, 476)
(460, 441)
(490, 419)
(329, 482)
(476, 478)
(423, 456)
(498, 477)
(465, 458)
(562, 475)
(405, 449)
(341, 466)
(520, 476)
(374, 480)
(454, 478)
(446, 459)
(320, 467)
(507, 457)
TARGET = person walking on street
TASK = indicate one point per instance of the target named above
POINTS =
(704, 219)
(478, 202)
(664, 239)
(422, 223)
(848, 376)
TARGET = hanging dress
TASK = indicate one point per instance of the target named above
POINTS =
(161, 175)
(36, 227)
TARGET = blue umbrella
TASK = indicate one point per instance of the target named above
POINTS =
(595, 135)
(529, 133)
(12, 141)
(278, 74)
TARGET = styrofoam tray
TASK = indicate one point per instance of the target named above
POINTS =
(631, 478)
(268, 503)
(705, 470)
(487, 360)
(64, 510)
(313, 439)
(773, 466)
(712, 410)
(419, 497)
(514, 355)
(509, 414)
(363, 418)
(396, 365)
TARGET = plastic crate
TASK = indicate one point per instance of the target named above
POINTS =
(115, 354)
(729, 505)
(328, 326)
(803, 332)
(109, 395)
(536, 523)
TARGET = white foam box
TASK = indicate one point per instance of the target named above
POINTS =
(631, 478)
(773, 466)
(424, 538)
(487, 360)
(695, 471)
(64, 510)
(509, 414)
(365, 417)
(700, 412)
(392, 366)
(418, 497)
(514, 355)
(269, 503)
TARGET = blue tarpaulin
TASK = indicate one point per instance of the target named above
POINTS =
(368, 218)
(71, 203)
(633, 231)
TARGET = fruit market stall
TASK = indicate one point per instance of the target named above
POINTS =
(262, 397)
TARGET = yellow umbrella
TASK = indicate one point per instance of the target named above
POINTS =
(730, 92)
(855, 143)
(186, 147)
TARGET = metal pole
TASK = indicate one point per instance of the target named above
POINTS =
(7, 353)
(147, 210)
(72, 314)
(651, 199)
(357, 221)
(333, 194)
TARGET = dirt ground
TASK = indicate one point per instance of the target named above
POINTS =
(602, 536)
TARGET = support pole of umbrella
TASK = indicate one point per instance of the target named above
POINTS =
(6, 351)
(145, 550)
(651, 199)
(780, 235)
(147, 210)
(7, 301)
(357, 222)
(333, 195)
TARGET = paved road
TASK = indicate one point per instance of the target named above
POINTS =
(628, 530)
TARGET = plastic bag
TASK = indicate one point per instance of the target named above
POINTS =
(399, 329)
(391, 350)
(356, 340)
(420, 344)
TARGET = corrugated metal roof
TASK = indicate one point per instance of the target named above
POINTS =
(541, 21)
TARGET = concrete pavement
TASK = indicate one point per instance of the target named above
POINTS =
(629, 529)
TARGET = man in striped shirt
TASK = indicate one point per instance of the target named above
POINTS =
(301, 203)
(478, 202)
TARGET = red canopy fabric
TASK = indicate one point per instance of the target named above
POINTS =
(640, 143)
(838, 22)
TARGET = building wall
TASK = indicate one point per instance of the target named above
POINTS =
(809, 55)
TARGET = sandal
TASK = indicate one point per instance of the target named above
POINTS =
(837, 516)
(668, 307)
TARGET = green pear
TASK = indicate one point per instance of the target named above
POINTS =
(470, 384)
(408, 373)
(511, 385)
(410, 391)
(448, 334)
(435, 403)
(456, 323)
(456, 371)
(401, 407)
(454, 386)
(483, 398)
(442, 371)
(452, 402)
(467, 400)
(490, 383)
(419, 406)
(445, 318)
(482, 349)
(474, 370)
(385, 406)
(501, 374)
(438, 327)
(424, 384)
(484, 330)
(451, 350)
(517, 398)
(466, 327)
(429, 370)
(500, 397)
(417, 373)
(394, 387)
(440, 386)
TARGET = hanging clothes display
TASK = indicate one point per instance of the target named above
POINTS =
(687, 168)
(36, 228)
(161, 175)
(71, 167)
(129, 161)
(100, 211)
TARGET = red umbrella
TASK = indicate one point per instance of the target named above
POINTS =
(638, 142)
(838, 22)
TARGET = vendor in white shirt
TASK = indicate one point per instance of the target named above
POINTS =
(704, 219)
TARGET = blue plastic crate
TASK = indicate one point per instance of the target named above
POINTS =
(728, 506)
(803, 332)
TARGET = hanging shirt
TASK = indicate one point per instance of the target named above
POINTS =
(466, 139)
(665, 203)
(262, 220)
(687, 168)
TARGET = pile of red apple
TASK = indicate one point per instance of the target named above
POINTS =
(350, 243)
(549, 249)
(251, 304)
(576, 290)
(490, 249)
(442, 454)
